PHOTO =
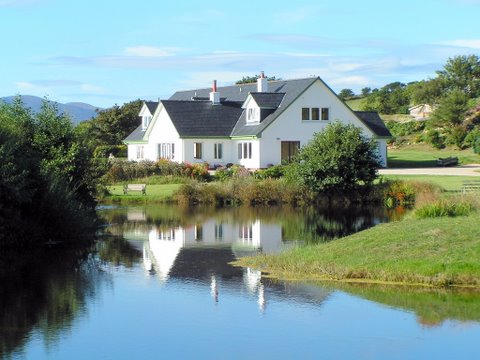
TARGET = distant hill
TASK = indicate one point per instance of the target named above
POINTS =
(76, 110)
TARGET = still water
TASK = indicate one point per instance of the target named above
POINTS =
(158, 285)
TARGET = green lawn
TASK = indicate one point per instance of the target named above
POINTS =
(155, 193)
(448, 183)
(421, 155)
(434, 251)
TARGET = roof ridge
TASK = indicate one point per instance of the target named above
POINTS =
(249, 84)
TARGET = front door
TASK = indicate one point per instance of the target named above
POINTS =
(289, 150)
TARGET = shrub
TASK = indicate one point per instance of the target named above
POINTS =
(444, 208)
(434, 138)
(273, 172)
(457, 136)
(104, 151)
(196, 171)
(337, 159)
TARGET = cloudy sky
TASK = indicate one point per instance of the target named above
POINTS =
(107, 52)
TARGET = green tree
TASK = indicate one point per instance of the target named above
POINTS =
(451, 109)
(390, 99)
(427, 91)
(345, 94)
(112, 125)
(462, 73)
(366, 91)
(46, 181)
(340, 158)
(253, 79)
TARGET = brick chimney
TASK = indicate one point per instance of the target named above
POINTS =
(215, 95)
(262, 83)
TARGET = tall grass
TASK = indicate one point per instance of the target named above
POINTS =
(452, 206)
(244, 190)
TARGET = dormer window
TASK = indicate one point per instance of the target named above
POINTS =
(253, 115)
(145, 121)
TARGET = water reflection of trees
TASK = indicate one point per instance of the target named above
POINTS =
(44, 291)
(310, 225)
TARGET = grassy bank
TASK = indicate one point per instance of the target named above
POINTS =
(155, 194)
(434, 251)
(446, 182)
(423, 155)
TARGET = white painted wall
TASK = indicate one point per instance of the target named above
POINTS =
(289, 126)
(162, 131)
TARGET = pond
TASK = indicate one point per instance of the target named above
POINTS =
(158, 284)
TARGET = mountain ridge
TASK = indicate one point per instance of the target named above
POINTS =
(78, 111)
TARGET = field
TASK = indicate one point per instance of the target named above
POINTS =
(435, 251)
(423, 155)
(155, 193)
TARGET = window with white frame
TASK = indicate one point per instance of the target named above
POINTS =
(245, 233)
(245, 150)
(197, 150)
(145, 121)
(218, 151)
(253, 114)
(166, 151)
(218, 231)
(140, 152)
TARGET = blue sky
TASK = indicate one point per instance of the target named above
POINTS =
(109, 52)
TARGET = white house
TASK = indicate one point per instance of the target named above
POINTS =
(421, 112)
(255, 125)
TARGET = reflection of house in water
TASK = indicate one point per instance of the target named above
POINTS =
(202, 252)
(167, 247)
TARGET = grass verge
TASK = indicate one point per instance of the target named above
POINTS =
(155, 194)
(446, 182)
(433, 252)
(422, 155)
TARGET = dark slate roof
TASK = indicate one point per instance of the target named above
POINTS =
(136, 135)
(202, 118)
(374, 123)
(289, 90)
(152, 106)
(268, 100)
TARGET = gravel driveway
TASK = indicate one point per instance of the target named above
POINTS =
(464, 170)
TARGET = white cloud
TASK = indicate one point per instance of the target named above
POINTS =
(464, 43)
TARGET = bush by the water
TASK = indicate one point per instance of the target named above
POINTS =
(243, 190)
(47, 179)
(445, 207)
(339, 159)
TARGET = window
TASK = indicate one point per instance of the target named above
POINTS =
(166, 151)
(219, 231)
(198, 232)
(315, 114)
(140, 151)
(168, 235)
(245, 233)
(289, 150)
(145, 121)
(245, 150)
(325, 114)
(305, 113)
(253, 115)
(217, 151)
(197, 150)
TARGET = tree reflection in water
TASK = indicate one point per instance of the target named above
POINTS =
(44, 291)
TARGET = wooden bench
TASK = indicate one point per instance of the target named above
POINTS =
(450, 161)
(135, 187)
(470, 185)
